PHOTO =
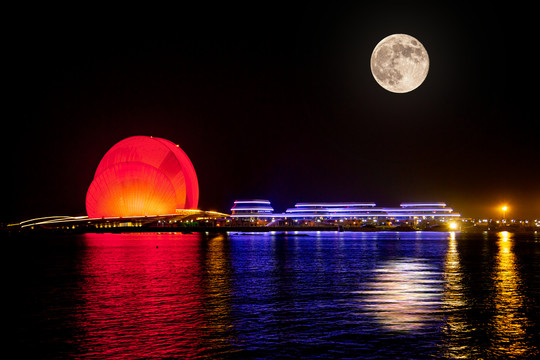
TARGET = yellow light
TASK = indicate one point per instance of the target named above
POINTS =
(453, 225)
(504, 208)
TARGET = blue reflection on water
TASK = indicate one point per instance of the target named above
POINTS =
(335, 292)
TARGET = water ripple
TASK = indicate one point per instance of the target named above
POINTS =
(319, 295)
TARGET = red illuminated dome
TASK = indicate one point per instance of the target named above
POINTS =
(142, 175)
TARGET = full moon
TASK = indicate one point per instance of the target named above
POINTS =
(399, 63)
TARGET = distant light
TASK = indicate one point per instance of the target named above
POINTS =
(453, 225)
(504, 208)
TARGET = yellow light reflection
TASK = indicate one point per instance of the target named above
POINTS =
(508, 325)
(218, 290)
(455, 301)
(453, 289)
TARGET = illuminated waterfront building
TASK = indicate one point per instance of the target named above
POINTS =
(254, 211)
(244, 208)
(345, 211)
(142, 175)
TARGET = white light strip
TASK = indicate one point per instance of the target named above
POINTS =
(66, 219)
(56, 217)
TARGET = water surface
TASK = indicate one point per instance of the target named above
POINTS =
(377, 295)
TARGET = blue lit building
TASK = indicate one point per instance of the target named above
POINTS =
(254, 207)
(351, 213)
(254, 211)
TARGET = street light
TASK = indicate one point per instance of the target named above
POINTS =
(504, 208)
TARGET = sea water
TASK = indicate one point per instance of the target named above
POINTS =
(365, 295)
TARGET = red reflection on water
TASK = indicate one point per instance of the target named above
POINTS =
(142, 296)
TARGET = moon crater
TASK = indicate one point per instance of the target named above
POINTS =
(399, 63)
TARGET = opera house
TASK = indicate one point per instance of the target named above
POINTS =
(142, 175)
(142, 181)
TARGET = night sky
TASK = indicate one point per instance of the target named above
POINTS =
(276, 102)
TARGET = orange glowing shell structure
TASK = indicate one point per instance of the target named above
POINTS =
(142, 175)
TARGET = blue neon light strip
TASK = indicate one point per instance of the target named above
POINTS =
(253, 208)
(419, 209)
(266, 202)
(440, 204)
(333, 204)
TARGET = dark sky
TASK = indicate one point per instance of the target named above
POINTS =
(277, 102)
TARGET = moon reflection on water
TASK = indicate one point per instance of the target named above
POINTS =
(403, 295)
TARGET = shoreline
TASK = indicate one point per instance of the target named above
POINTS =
(254, 229)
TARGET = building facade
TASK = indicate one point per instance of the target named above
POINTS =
(346, 213)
